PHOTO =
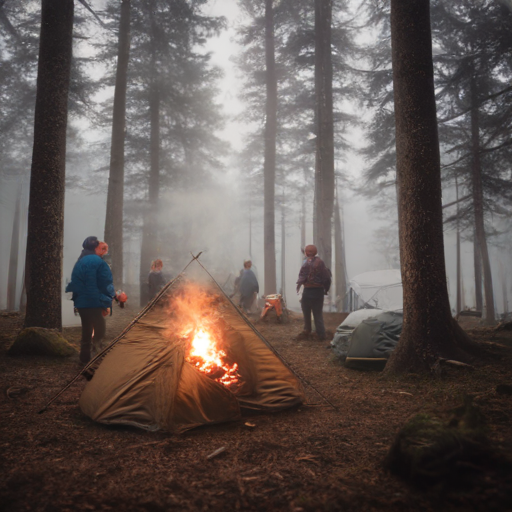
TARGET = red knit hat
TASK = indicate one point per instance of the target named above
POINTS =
(310, 250)
(102, 249)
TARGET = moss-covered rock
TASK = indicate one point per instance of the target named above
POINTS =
(38, 341)
(429, 450)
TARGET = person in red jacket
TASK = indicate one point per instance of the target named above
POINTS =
(316, 279)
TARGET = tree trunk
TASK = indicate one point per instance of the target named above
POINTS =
(478, 205)
(339, 260)
(303, 226)
(14, 255)
(477, 258)
(503, 279)
(114, 215)
(23, 296)
(269, 170)
(149, 249)
(324, 166)
(250, 227)
(46, 207)
(429, 331)
(458, 297)
(283, 249)
(463, 293)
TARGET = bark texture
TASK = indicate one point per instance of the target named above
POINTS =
(269, 168)
(115, 195)
(429, 331)
(46, 207)
(324, 166)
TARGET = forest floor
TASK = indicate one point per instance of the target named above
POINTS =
(315, 458)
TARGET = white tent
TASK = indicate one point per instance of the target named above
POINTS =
(380, 289)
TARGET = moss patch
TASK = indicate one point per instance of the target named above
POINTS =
(432, 451)
(38, 341)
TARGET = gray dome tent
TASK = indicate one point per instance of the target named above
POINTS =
(371, 342)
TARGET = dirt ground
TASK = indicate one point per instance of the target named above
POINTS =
(316, 458)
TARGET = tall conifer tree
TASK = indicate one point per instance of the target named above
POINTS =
(46, 208)
(429, 331)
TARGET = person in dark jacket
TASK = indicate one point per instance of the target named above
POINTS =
(248, 287)
(93, 290)
(156, 279)
(316, 279)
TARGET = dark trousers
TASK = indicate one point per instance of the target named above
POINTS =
(93, 321)
(313, 302)
(247, 302)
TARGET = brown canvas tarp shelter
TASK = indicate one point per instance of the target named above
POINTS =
(144, 379)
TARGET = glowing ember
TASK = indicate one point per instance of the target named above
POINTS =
(209, 359)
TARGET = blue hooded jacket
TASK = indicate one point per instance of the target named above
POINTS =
(91, 283)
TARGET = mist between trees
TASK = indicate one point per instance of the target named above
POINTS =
(155, 173)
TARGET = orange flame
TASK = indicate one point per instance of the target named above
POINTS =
(194, 314)
(209, 359)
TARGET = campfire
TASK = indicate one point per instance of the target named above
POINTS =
(209, 359)
(195, 316)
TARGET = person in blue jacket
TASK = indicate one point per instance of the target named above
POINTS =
(93, 290)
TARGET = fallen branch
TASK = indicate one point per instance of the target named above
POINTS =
(151, 443)
(218, 451)
(458, 363)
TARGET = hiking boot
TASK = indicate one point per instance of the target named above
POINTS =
(304, 335)
(328, 336)
(84, 358)
(85, 354)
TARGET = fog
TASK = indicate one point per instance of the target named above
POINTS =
(214, 219)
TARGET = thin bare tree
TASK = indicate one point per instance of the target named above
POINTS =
(269, 166)
(115, 194)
